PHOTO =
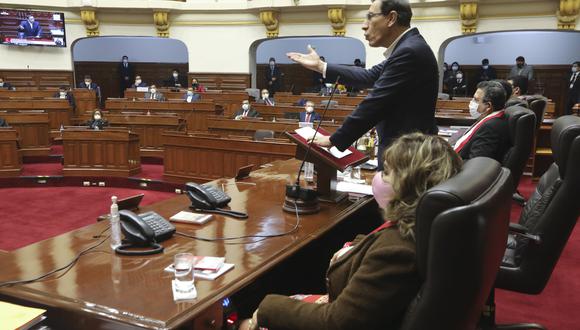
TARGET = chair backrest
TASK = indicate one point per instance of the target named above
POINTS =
(461, 230)
(538, 104)
(551, 213)
(261, 134)
(522, 128)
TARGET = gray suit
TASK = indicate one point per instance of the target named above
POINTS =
(157, 96)
(526, 71)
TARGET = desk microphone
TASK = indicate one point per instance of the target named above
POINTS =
(304, 200)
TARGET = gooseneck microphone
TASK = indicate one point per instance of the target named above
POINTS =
(304, 200)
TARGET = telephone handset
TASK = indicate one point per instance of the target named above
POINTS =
(144, 230)
(209, 199)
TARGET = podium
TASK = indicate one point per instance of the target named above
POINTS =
(108, 152)
(326, 165)
(10, 158)
(85, 100)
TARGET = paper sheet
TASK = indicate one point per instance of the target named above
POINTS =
(308, 132)
(357, 188)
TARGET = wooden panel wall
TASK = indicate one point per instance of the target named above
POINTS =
(37, 78)
(294, 76)
(106, 74)
(223, 81)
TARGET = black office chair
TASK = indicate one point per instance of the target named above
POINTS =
(537, 240)
(461, 229)
(522, 123)
(261, 134)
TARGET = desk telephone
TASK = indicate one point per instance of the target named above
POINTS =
(144, 230)
(210, 199)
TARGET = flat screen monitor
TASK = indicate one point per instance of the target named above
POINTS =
(22, 27)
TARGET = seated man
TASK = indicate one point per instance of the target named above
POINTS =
(5, 85)
(266, 99)
(3, 123)
(138, 82)
(63, 93)
(190, 96)
(176, 80)
(489, 136)
(309, 115)
(246, 111)
(197, 87)
(458, 86)
(153, 94)
(29, 28)
(97, 122)
(88, 83)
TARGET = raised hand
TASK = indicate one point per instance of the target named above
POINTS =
(310, 61)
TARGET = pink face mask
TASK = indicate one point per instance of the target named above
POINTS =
(382, 191)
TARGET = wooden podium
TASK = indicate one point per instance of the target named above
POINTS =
(109, 152)
(33, 129)
(85, 100)
(10, 158)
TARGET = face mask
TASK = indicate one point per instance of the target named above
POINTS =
(272, 64)
(455, 68)
(189, 93)
(1, 83)
(175, 75)
(473, 106)
(87, 82)
(265, 96)
(382, 191)
(444, 69)
(459, 76)
(195, 84)
(485, 67)
(125, 61)
(97, 117)
(309, 109)
(245, 106)
(574, 69)
(138, 82)
(62, 93)
(153, 90)
(520, 65)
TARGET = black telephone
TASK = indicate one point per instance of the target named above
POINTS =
(209, 199)
(144, 230)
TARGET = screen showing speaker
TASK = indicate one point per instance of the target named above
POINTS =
(22, 27)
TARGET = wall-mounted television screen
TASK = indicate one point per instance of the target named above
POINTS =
(23, 27)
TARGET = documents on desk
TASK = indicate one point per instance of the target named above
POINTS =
(308, 133)
(356, 188)
(19, 317)
(207, 268)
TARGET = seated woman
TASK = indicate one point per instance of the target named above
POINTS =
(371, 282)
(97, 122)
(489, 136)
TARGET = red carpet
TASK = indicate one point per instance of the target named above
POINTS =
(33, 214)
(47, 169)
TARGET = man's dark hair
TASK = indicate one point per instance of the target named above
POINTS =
(507, 87)
(485, 61)
(357, 61)
(88, 77)
(521, 82)
(63, 87)
(272, 59)
(577, 63)
(176, 70)
(494, 93)
(403, 9)
(125, 57)
(520, 58)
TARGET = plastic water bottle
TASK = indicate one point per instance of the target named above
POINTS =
(115, 226)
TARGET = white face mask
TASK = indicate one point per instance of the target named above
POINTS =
(97, 117)
(1, 83)
(138, 82)
(62, 94)
(309, 109)
(175, 75)
(153, 90)
(459, 76)
(454, 68)
(574, 69)
(272, 63)
(245, 106)
(485, 67)
(265, 95)
(125, 61)
(473, 106)
(87, 82)
(189, 93)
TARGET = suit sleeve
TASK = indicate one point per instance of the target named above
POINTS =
(485, 143)
(376, 295)
(396, 77)
(354, 76)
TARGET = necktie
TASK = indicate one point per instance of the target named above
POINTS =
(152, 96)
(245, 113)
(573, 80)
(307, 117)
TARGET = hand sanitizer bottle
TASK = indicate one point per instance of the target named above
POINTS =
(115, 226)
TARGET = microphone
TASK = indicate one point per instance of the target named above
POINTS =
(304, 199)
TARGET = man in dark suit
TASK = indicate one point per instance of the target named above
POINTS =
(176, 80)
(573, 88)
(246, 111)
(29, 28)
(272, 76)
(126, 73)
(153, 94)
(266, 99)
(308, 115)
(405, 84)
(89, 84)
(138, 82)
(486, 71)
(63, 93)
(4, 84)
(3, 123)
(489, 136)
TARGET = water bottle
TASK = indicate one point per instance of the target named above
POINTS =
(115, 226)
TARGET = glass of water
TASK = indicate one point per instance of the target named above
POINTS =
(183, 263)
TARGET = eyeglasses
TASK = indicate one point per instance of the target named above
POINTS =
(371, 15)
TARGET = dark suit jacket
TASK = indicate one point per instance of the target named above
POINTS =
(263, 101)
(142, 84)
(68, 96)
(315, 116)
(458, 88)
(369, 287)
(3, 123)
(83, 85)
(35, 31)
(269, 75)
(97, 123)
(485, 75)
(172, 82)
(128, 72)
(195, 97)
(404, 93)
(7, 86)
(251, 113)
(573, 94)
(491, 140)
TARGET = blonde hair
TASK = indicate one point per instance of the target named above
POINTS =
(417, 162)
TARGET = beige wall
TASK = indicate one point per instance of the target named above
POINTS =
(220, 42)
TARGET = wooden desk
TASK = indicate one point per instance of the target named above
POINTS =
(225, 126)
(269, 112)
(32, 128)
(85, 100)
(201, 158)
(341, 99)
(194, 113)
(109, 152)
(104, 290)
(59, 110)
(10, 158)
(27, 94)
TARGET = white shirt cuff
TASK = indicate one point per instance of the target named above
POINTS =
(324, 70)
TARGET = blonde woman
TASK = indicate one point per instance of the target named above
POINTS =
(371, 282)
